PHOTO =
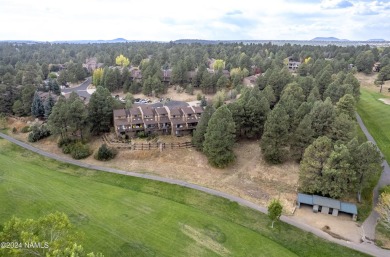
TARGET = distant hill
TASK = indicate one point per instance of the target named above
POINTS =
(328, 39)
(116, 40)
(377, 40)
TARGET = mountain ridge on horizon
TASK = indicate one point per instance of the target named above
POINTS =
(187, 40)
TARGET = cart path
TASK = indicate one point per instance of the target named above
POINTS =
(370, 223)
(364, 247)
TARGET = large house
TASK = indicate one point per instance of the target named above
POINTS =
(163, 120)
(292, 65)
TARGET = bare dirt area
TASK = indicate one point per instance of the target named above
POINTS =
(341, 227)
(249, 177)
(171, 93)
(367, 81)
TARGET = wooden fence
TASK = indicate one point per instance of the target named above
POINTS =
(147, 146)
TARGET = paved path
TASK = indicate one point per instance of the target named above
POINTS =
(370, 223)
(81, 90)
(363, 247)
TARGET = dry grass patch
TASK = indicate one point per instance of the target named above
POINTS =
(249, 177)
(367, 82)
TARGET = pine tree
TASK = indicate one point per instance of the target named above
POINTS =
(346, 105)
(37, 109)
(275, 137)
(366, 160)
(314, 95)
(291, 99)
(338, 174)
(270, 95)
(312, 165)
(100, 110)
(78, 115)
(323, 115)
(219, 138)
(238, 113)
(343, 129)
(256, 112)
(324, 81)
(48, 106)
(201, 128)
(59, 118)
(303, 136)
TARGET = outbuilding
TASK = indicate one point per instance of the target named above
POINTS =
(327, 205)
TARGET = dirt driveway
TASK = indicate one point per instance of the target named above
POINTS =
(342, 226)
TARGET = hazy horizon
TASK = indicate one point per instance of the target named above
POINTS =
(44, 20)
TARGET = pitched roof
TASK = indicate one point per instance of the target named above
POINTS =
(119, 112)
(348, 208)
(135, 111)
(161, 110)
(146, 111)
(306, 199)
(325, 201)
(187, 110)
(121, 122)
(174, 111)
(197, 109)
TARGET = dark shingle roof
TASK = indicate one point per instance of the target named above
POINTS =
(119, 113)
(174, 111)
(121, 122)
(135, 111)
(187, 110)
(146, 111)
(161, 110)
(197, 109)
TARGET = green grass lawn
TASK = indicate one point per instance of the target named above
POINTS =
(376, 117)
(126, 216)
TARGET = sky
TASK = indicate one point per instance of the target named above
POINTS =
(165, 20)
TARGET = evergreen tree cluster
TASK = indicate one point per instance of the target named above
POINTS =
(336, 169)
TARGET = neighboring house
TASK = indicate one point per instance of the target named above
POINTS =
(136, 74)
(166, 75)
(327, 205)
(45, 95)
(211, 63)
(164, 120)
(292, 65)
(251, 80)
(376, 67)
(226, 73)
(92, 64)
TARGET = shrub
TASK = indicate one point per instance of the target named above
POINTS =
(37, 133)
(25, 129)
(14, 130)
(64, 141)
(105, 153)
(190, 89)
(79, 151)
(198, 97)
(142, 134)
(67, 149)
(385, 189)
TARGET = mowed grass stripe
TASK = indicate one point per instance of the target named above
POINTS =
(376, 117)
(118, 221)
